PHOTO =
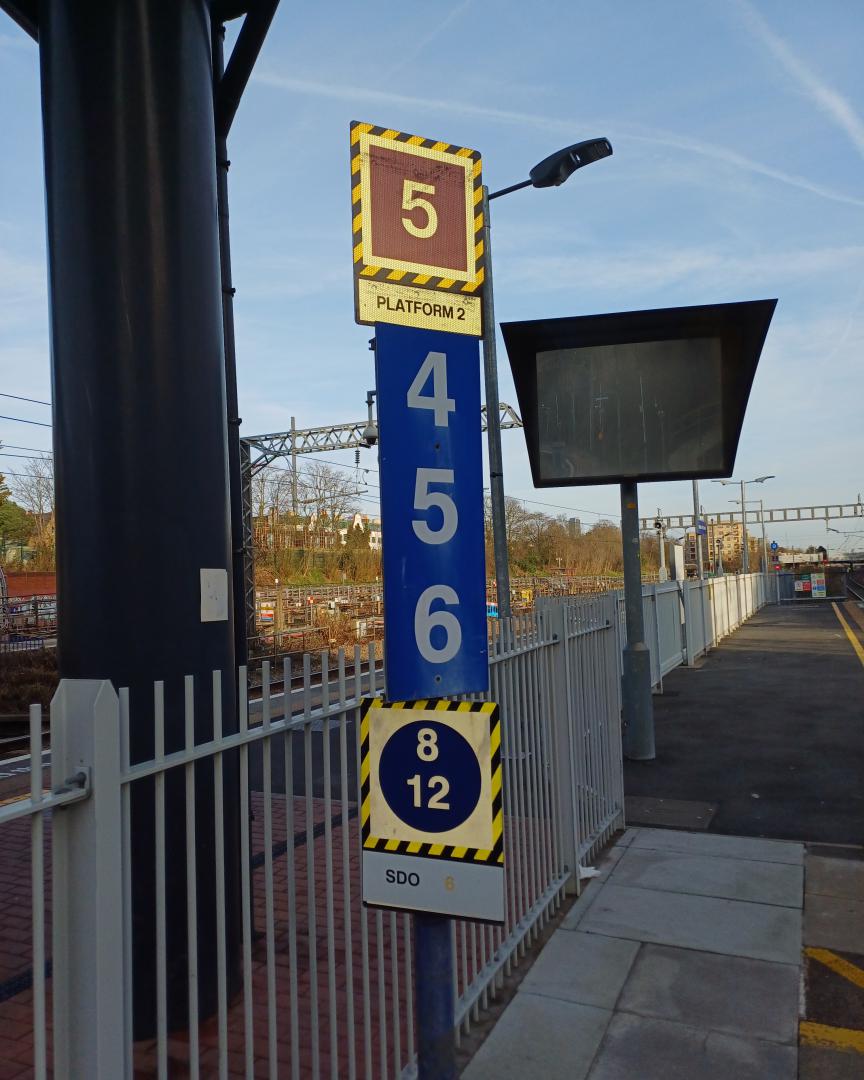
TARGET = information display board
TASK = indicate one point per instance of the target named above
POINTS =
(417, 224)
(434, 562)
(432, 817)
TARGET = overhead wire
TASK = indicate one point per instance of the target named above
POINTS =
(17, 397)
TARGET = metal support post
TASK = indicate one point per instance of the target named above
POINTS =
(553, 614)
(436, 1033)
(700, 566)
(138, 372)
(662, 574)
(248, 544)
(637, 707)
(745, 554)
(89, 989)
(294, 469)
(764, 538)
(235, 482)
(493, 427)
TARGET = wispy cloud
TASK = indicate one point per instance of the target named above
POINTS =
(648, 271)
(448, 20)
(823, 96)
(730, 157)
(366, 95)
(363, 95)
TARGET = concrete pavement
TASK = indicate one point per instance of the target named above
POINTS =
(683, 959)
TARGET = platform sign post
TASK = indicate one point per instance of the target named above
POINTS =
(431, 799)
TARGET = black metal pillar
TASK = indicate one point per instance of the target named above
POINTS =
(140, 421)
(637, 708)
(238, 555)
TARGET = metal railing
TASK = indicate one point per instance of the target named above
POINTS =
(287, 973)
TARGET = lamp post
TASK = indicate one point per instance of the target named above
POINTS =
(745, 554)
(762, 524)
(697, 537)
(551, 172)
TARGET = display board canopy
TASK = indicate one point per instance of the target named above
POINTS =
(636, 395)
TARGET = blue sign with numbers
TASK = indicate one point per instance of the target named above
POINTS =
(435, 637)
(410, 769)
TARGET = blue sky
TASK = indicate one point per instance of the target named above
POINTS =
(738, 130)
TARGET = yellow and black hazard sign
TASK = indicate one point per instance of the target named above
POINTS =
(432, 814)
(417, 224)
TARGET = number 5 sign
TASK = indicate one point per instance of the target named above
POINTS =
(417, 231)
(435, 638)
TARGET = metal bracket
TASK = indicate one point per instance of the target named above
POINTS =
(79, 781)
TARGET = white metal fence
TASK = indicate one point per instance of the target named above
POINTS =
(277, 969)
(684, 619)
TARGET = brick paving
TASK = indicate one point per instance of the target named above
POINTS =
(312, 1016)
(317, 950)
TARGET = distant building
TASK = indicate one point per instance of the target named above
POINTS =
(725, 537)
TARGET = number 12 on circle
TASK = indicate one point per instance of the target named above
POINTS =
(435, 638)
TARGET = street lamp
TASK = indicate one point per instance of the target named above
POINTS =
(745, 555)
(762, 523)
(550, 172)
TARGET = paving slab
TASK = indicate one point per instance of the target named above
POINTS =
(731, 994)
(832, 922)
(730, 927)
(705, 875)
(835, 877)
(673, 813)
(636, 1047)
(729, 847)
(586, 968)
(540, 1037)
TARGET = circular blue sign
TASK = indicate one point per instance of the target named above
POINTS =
(430, 776)
(774, 545)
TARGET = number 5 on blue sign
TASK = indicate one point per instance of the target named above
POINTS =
(435, 640)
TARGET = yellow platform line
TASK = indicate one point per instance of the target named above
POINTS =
(853, 638)
(831, 1038)
(838, 965)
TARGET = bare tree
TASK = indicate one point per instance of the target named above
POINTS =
(328, 497)
(34, 491)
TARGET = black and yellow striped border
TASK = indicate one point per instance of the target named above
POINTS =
(404, 277)
(492, 857)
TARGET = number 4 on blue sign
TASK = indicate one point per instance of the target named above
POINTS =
(432, 512)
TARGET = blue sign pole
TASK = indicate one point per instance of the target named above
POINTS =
(434, 568)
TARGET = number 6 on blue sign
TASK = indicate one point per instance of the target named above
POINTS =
(432, 513)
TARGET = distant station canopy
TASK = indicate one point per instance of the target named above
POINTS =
(636, 395)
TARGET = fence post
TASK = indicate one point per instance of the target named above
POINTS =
(689, 629)
(553, 613)
(90, 1037)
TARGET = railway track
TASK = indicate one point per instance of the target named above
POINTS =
(15, 730)
(855, 590)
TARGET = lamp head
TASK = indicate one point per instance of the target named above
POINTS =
(560, 166)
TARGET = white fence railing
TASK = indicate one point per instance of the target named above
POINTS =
(684, 619)
(260, 957)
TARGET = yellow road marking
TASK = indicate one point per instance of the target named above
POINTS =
(838, 965)
(853, 639)
(832, 1038)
